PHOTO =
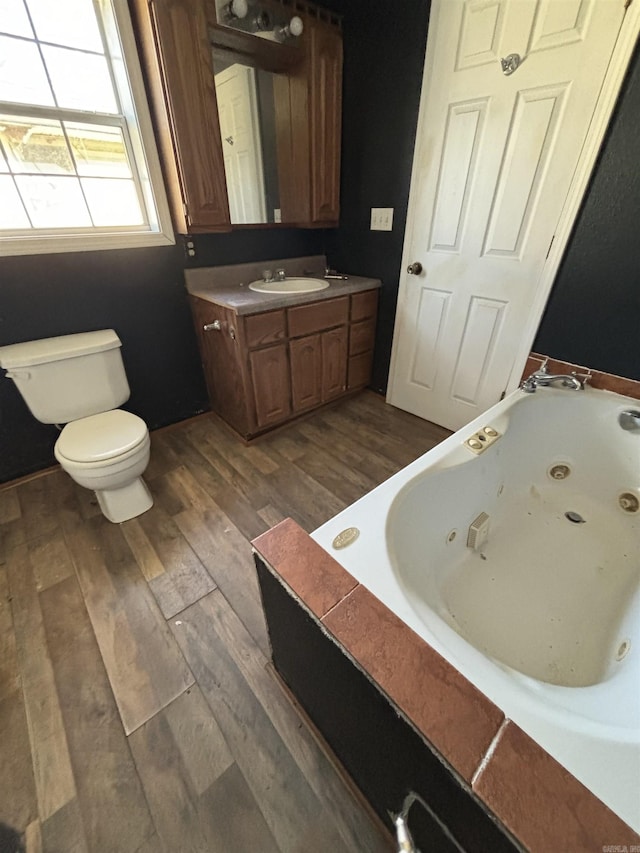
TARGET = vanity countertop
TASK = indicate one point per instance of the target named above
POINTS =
(229, 286)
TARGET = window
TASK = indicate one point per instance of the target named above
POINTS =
(78, 164)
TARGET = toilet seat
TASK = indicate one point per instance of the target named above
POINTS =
(99, 439)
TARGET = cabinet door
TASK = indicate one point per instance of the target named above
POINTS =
(271, 386)
(325, 88)
(306, 372)
(186, 71)
(223, 362)
(334, 362)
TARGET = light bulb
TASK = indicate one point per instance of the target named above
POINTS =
(295, 26)
(238, 9)
(292, 30)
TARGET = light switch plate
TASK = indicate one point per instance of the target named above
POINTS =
(381, 218)
(277, 214)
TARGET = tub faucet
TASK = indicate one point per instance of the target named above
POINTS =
(542, 377)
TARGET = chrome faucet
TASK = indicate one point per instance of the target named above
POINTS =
(542, 377)
(280, 275)
(329, 273)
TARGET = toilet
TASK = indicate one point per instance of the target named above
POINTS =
(79, 380)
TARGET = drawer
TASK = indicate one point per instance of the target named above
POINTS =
(362, 336)
(306, 319)
(359, 370)
(263, 329)
(364, 305)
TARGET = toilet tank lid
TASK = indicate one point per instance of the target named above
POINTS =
(30, 353)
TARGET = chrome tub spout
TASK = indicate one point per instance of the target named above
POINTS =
(542, 377)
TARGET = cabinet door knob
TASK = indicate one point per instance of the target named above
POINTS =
(212, 327)
(415, 268)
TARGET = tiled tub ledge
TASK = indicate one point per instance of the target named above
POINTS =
(597, 379)
(519, 797)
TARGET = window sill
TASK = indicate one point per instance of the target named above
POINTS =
(46, 245)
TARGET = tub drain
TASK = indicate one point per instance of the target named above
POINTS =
(559, 472)
(629, 502)
(575, 517)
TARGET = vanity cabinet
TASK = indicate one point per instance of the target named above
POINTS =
(318, 368)
(269, 369)
(263, 369)
(318, 352)
(176, 38)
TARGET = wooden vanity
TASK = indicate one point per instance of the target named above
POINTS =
(268, 359)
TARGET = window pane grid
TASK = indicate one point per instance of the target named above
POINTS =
(57, 64)
(34, 40)
(42, 160)
(72, 162)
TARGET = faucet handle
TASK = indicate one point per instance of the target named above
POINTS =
(267, 276)
(280, 274)
(583, 378)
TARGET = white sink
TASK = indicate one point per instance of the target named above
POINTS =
(289, 285)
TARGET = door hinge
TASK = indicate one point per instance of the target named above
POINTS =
(627, 3)
(550, 245)
(503, 395)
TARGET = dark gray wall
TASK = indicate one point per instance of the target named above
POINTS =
(140, 293)
(593, 315)
(384, 46)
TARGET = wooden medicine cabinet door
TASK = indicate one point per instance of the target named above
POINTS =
(325, 97)
(176, 55)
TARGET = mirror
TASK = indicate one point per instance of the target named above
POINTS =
(249, 121)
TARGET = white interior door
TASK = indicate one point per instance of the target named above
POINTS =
(494, 162)
(240, 131)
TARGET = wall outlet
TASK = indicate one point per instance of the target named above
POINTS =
(381, 218)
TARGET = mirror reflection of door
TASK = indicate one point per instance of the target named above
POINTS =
(240, 129)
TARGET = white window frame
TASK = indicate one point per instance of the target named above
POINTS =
(122, 55)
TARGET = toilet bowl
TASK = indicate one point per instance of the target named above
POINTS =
(79, 380)
(108, 453)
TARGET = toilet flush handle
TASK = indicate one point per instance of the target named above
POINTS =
(212, 327)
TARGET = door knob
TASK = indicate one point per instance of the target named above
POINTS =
(415, 268)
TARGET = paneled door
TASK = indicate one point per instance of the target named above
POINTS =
(241, 144)
(496, 153)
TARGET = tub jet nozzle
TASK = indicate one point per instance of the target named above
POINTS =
(478, 532)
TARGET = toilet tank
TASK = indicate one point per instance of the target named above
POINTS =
(70, 377)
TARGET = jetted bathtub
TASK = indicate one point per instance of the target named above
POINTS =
(520, 564)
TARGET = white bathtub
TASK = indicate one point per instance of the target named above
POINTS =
(544, 618)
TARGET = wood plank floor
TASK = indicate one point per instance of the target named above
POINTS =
(138, 709)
